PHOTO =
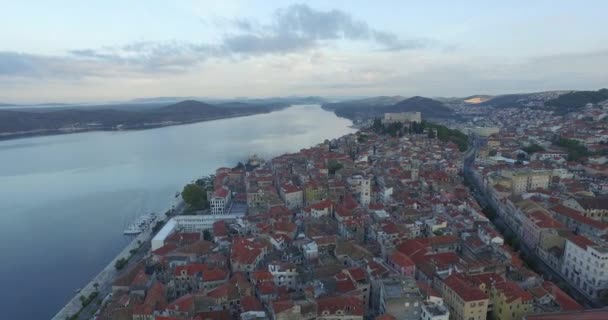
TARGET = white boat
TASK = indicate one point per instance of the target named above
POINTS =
(132, 229)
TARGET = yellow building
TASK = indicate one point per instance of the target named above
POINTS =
(510, 301)
(314, 192)
(527, 180)
(464, 300)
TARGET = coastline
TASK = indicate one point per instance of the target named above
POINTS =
(54, 132)
(108, 274)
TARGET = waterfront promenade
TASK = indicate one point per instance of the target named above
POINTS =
(104, 279)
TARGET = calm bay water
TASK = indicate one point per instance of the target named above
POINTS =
(64, 200)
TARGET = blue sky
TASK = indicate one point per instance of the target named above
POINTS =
(81, 51)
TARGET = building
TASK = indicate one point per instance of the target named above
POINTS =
(510, 301)
(586, 265)
(400, 297)
(486, 131)
(220, 201)
(361, 187)
(314, 192)
(197, 223)
(592, 314)
(402, 117)
(434, 311)
(292, 195)
(464, 300)
(284, 274)
(527, 180)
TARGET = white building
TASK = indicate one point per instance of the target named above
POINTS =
(311, 251)
(486, 131)
(284, 274)
(196, 223)
(434, 311)
(220, 201)
(586, 265)
(292, 195)
(361, 186)
(402, 117)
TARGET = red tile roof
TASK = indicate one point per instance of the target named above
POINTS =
(290, 188)
(463, 289)
(357, 274)
(221, 192)
(597, 314)
(350, 305)
(220, 229)
(184, 303)
(246, 250)
(581, 241)
(250, 303)
(401, 260)
(565, 302)
(280, 306)
(512, 291)
(578, 217)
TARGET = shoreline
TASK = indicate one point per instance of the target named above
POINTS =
(55, 132)
(108, 274)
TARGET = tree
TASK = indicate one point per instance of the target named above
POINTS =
(96, 286)
(120, 263)
(195, 196)
(533, 148)
(333, 166)
(575, 149)
(377, 125)
(207, 235)
(492, 153)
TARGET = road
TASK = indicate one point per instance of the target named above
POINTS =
(527, 254)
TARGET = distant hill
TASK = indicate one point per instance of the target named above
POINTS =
(50, 121)
(377, 106)
(430, 108)
(536, 99)
(572, 101)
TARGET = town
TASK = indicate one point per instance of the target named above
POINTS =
(497, 217)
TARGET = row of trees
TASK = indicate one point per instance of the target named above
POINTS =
(575, 149)
(533, 148)
(444, 133)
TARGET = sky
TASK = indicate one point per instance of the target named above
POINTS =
(100, 51)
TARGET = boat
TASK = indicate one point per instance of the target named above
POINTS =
(132, 230)
(77, 290)
(140, 224)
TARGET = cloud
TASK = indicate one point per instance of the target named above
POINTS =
(299, 27)
(296, 28)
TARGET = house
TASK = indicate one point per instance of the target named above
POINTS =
(434, 311)
(402, 263)
(284, 274)
(361, 187)
(220, 201)
(586, 265)
(464, 300)
(400, 297)
(340, 308)
(510, 301)
(246, 254)
(292, 196)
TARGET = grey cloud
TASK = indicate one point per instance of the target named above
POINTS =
(302, 27)
(293, 29)
(14, 64)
